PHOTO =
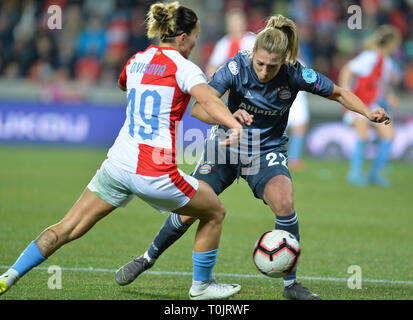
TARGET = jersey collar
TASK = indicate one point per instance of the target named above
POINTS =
(162, 48)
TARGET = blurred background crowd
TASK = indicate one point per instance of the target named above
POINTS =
(98, 37)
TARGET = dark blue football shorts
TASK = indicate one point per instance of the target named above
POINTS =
(219, 168)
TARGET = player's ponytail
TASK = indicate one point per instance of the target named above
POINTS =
(280, 36)
(167, 21)
(381, 38)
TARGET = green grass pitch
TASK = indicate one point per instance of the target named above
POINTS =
(340, 226)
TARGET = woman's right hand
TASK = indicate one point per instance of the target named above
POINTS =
(234, 137)
(243, 117)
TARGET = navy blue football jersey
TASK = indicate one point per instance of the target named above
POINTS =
(269, 102)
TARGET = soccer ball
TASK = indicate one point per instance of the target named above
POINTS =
(276, 253)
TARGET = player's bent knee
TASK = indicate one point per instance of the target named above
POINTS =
(221, 212)
(217, 212)
(281, 204)
(285, 207)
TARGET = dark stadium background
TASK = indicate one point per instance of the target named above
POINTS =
(54, 82)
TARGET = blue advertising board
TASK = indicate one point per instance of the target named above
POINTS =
(25, 122)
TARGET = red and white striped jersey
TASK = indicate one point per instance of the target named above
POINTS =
(158, 81)
(228, 47)
(372, 70)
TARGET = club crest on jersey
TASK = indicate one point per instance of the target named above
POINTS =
(205, 169)
(309, 75)
(233, 67)
(284, 94)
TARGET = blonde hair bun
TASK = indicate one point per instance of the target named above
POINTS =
(160, 19)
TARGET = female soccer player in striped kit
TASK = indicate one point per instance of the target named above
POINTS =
(159, 83)
(367, 75)
(237, 38)
(262, 85)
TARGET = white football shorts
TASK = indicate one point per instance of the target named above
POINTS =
(350, 116)
(299, 111)
(165, 193)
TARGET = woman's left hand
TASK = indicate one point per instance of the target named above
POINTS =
(379, 116)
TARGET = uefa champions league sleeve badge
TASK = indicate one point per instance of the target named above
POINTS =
(309, 75)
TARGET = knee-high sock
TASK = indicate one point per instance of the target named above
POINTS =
(204, 262)
(30, 258)
(172, 229)
(357, 159)
(289, 223)
(381, 158)
(295, 146)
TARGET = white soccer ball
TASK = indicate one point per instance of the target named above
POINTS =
(276, 253)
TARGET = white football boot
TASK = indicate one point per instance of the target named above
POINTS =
(8, 279)
(212, 290)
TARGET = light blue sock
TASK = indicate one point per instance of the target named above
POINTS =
(30, 258)
(204, 262)
(357, 159)
(295, 146)
(381, 158)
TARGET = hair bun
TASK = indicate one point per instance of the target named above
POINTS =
(167, 20)
(161, 14)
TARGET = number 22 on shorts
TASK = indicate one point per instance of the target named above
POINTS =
(272, 158)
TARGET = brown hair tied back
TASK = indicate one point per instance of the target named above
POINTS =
(167, 21)
(280, 36)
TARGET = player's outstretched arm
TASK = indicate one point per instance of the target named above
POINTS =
(216, 109)
(241, 115)
(197, 111)
(207, 97)
(345, 77)
(350, 101)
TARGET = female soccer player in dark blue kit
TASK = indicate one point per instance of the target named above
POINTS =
(262, 86)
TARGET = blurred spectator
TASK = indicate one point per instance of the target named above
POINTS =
(91, 48)
(45, 59)
(137, 41)
(257, 19)
(67, 37)
(117, 36)
(88, 69)
(26, 27)
(299, 11)
(238, 38)
(325, 16)
(102, 8)
(8, 19)
(92, 41)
